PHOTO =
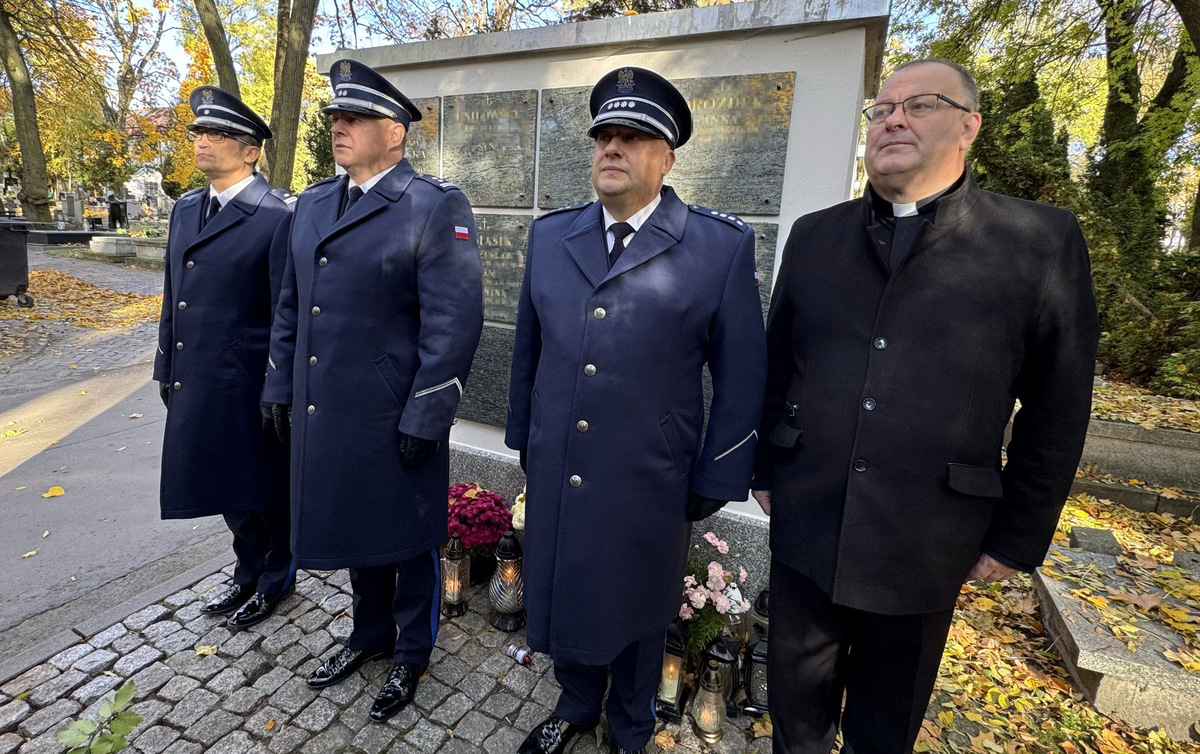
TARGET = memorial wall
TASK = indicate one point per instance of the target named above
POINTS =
(775, 91)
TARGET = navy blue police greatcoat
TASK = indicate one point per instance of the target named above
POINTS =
(220, 288)
(606, 397)
(376, 327)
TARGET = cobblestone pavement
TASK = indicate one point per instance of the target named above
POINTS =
(251, 696)
(89, 350)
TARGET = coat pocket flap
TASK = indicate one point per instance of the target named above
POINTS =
(980, 481)
(784, 436)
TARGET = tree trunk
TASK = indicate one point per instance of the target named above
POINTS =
(214, 32)
(291, 56)
(35, 190)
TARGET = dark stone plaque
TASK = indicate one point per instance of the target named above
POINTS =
(565, 166)
(733, 162)
(488, 146)
(502, 240)
(766, 236)
(485, 398)
(423, 148)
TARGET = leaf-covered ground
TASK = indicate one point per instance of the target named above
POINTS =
(63, 299)
(1127, 403)
(1003, 688)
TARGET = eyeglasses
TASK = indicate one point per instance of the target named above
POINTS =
(916, 106)
(215, 137)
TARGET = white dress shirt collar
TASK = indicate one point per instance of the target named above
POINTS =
(227, 196)
(638, 219)
(369, 184)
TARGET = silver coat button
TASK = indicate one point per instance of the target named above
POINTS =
(880, 344)
(312, 410)
(323, 261)
(182, 304)
(589, 370)
(869, 404)
(316, 310)
(599, 313)
(312, 361)
(179, 346)
(860, 465)
(190, 264)
(177, 386)
(581, 425)
(576, 480)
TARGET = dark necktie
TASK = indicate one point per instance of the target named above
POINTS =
(214, 206)
(352, 196)
(620, 232)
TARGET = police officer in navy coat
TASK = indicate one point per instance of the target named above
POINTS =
(624, 302)
(381, 310)
(219, 293)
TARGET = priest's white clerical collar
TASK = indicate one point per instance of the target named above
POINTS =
(904, 210)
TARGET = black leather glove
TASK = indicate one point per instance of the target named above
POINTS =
(415, 451)
(523, 458)
(280, 415)
(164, 392)
(700, 507)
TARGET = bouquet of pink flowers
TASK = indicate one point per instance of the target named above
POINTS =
(710, 592)
(478, 517)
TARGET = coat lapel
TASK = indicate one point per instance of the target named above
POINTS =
(243, 205)
(585, 243)
(389, 189)
(661, 231)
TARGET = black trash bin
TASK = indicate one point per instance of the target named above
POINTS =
(14, 262)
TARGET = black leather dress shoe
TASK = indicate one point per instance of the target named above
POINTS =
(342, 664)
(231, 599)
(551, 736)
(256, 610)
(397, 691)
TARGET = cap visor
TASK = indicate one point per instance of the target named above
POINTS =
(336, 107)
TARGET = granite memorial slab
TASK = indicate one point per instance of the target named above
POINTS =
(423, 148)
(502, 241)
(733, 162)
(766, 238)
(485, 397)
(488, 146)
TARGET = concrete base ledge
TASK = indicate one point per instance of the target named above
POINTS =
(1167, 457)
(1141, 688)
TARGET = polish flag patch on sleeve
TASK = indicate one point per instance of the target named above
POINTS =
(461, 233)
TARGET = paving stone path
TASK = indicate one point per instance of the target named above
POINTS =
(251, 696)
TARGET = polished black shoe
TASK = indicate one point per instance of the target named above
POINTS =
(551, 736)
(341, 665)
(397, 691)
(256, 610)
(231, 599)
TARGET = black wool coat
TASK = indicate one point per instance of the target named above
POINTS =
(888, 394)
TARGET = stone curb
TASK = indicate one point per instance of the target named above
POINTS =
(39, 653)
(1136, 499)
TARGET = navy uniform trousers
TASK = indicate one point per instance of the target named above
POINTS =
(262, 543)
(635, 672)
(882, 666)
(396, 608)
